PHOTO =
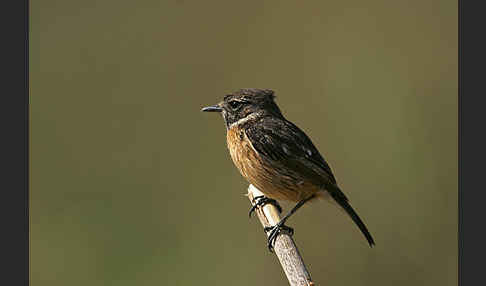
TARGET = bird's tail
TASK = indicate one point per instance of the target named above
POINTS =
(342, 200)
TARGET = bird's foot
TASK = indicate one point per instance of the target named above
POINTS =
(275, 231)
(261, 201)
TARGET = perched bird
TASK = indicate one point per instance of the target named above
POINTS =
(277, 157)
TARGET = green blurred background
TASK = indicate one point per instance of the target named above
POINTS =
(132, 185)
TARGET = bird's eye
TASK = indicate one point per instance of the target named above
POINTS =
(235, 104)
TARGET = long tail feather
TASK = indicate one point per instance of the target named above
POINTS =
(342, 200)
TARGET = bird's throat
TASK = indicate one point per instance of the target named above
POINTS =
(249, 118)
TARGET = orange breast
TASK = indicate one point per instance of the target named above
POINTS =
(261, 173)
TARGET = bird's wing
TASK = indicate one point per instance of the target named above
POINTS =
(294, 155)
(287, 146)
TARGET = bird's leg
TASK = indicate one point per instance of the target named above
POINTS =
(280, 226)
(261, 201)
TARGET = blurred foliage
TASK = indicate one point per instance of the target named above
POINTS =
(132, 185)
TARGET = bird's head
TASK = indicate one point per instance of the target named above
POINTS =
(245, 105)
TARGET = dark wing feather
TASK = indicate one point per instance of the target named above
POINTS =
(285, 144)
(293, 153)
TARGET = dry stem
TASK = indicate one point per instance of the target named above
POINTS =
(284, 246)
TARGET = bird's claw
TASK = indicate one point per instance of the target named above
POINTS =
(261, 201)
(275, 231)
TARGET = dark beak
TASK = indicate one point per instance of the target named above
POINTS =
(214, 108)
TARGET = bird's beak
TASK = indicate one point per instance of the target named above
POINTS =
(214, 108)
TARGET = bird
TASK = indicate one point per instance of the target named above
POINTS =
(277, 157)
